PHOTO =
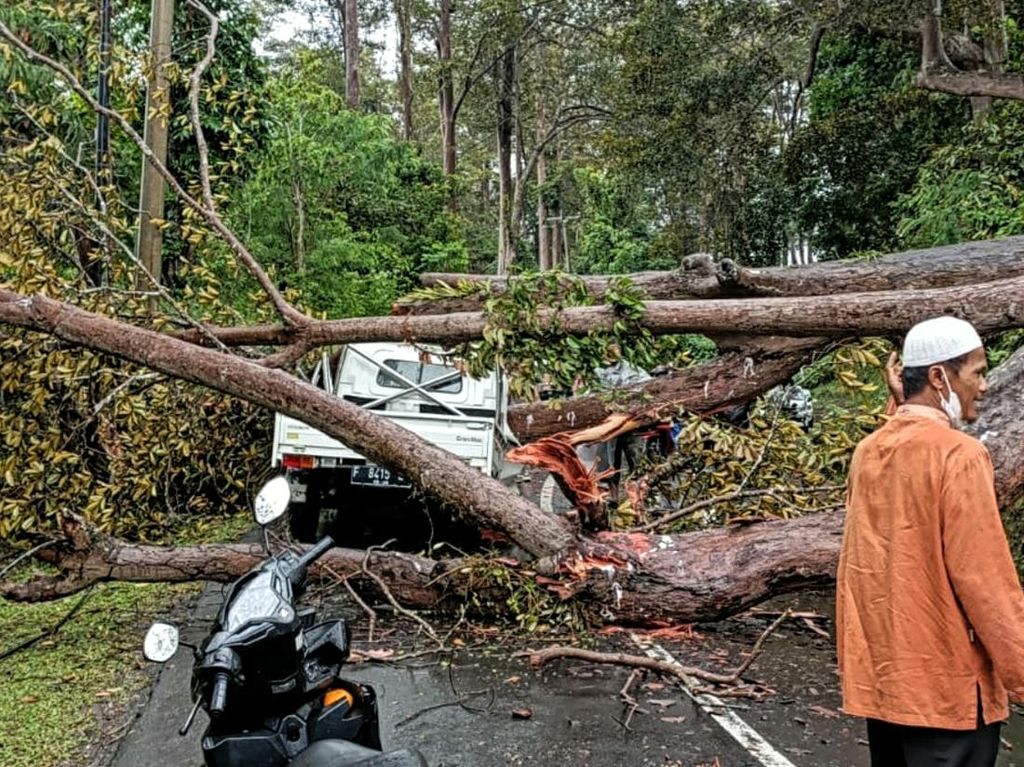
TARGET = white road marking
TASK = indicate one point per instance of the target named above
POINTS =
(743, 733)
(547, 494)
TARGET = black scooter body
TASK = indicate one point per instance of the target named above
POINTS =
(269, 678)
(279, 740)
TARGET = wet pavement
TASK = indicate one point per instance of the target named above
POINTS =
(467, 710)
(484, 706)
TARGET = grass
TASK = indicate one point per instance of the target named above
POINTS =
(52, 689)
(58, 695)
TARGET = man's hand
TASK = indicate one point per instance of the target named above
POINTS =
(894, 378)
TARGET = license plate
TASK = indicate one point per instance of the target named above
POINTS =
(377, 476)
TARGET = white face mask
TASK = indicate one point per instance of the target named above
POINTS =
(952, 405)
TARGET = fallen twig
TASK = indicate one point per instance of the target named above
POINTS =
(629, 700)
(459, 702)
(462, 697)
(686, 674)
(816, 628)
(806, 619)
(50, 631)
(370, 612)
(391, 597)
(759, 645)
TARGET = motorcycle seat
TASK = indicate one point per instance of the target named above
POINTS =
(343, 753)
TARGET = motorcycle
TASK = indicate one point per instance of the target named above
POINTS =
(268, 677)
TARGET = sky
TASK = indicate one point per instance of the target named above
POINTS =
(287, 24)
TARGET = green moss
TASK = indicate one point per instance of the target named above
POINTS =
(51, 690)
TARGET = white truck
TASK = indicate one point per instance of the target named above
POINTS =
(415, 388)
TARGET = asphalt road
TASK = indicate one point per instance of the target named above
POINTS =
(460, 713)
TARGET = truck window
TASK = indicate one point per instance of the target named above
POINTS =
(417, 372)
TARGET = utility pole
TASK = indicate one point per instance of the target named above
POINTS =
(158, 116)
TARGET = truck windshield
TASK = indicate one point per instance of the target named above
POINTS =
(419, 373)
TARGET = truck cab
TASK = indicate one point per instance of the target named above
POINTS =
(418, 388)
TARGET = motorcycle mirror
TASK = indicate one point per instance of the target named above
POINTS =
(272, 500)
(161, 642)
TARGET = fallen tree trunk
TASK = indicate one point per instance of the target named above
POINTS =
(89, 557)
(990, 306)
(431, 468)
(729, 380)
(631, 577)
(701, 277)
(634, 577)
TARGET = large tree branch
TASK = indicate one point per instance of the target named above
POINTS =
(957, 83)
(430, 467)
(193, 92)
(938, 73)
(731, 379)
(701, 277)
(817, 34)
(991, 306)
(87, 556)
(561, 123)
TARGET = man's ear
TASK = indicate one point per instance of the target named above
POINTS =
(936, 377)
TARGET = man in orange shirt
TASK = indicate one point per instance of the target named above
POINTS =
(929, 608)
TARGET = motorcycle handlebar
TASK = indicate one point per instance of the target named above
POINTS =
(312, 556)
(219, 696)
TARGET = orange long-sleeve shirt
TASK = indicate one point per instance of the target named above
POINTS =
(929, 607)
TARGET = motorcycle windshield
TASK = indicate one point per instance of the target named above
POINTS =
(256, 601)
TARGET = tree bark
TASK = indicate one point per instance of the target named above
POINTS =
(88, 556)
(300, 212)
(728, 380)
(701, 277)
(351, 17)
(545, 261)
(446, 90)
(403, 17)
(505, 83)
(991, 306)
(973, 84)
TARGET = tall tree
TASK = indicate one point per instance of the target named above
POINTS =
(446, 87)
(350, 20)
(545, 254)
(504, 79)
(403, 17)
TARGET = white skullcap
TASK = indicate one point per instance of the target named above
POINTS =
(938, 340)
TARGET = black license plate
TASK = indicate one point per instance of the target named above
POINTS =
(377, 476)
